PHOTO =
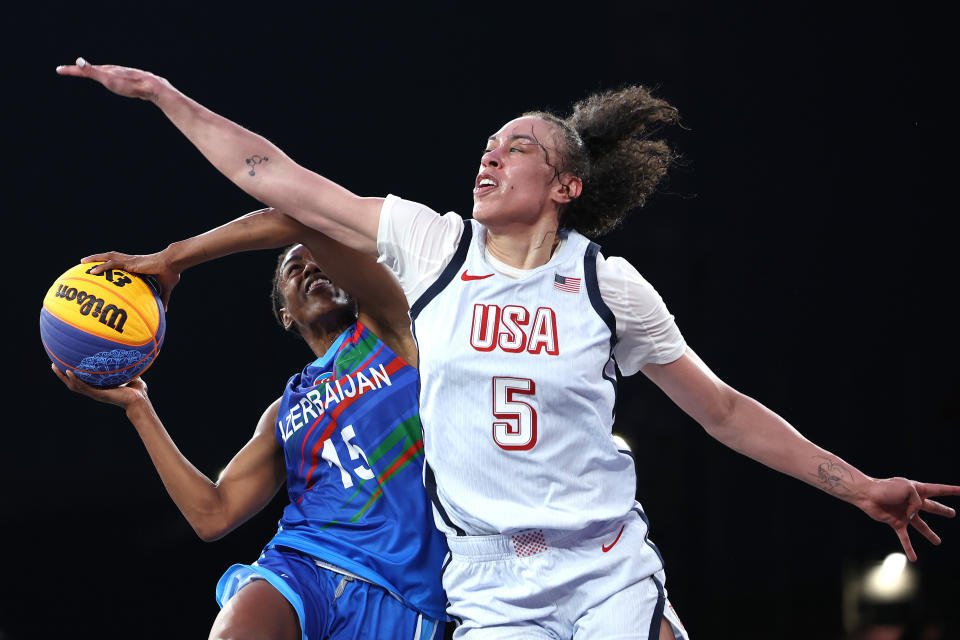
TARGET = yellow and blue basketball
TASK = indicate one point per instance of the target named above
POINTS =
(106, 328)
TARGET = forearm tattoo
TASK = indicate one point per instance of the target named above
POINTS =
(253, 161)
(833, 477)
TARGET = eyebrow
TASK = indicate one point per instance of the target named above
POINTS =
(516, 136)
(288, 261)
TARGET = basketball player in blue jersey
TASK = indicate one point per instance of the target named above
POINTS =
(521, 325)
(356, 554)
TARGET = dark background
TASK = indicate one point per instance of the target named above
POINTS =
(805, 246)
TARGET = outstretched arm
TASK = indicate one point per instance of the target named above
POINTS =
(745, 425)
(251, 161)
(213, 509)
(379, 297)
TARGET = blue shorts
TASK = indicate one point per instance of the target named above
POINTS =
(330, 604)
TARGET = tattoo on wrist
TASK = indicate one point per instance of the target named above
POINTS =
(833, 477)
(253, 161)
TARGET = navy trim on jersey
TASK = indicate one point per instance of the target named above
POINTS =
(445, 277)
(658, 612)
(596, 300)
(448, 272)
(443, 570)
(430, 482)
(593, 290)
(646, 536)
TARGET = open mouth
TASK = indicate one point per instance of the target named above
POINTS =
(317, 283)
(485, 184)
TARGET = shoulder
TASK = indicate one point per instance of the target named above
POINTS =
(622, 286)
(268, 418)
(645, 328)
(416, 243)
(401, 219)
(399, 340)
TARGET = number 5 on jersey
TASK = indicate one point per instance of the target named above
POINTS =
(516, 426)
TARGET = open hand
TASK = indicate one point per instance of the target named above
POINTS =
(899, 501)
(154, 264)
(122, 396)
(124, 81)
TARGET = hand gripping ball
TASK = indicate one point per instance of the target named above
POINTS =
(106, 328)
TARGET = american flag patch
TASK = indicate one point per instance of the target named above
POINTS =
(565, 283)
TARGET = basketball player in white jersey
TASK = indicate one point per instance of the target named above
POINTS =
(520, 322)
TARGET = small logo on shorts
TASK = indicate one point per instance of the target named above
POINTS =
(529, 543)
(610, 546)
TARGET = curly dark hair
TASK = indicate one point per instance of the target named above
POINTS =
(607, 141)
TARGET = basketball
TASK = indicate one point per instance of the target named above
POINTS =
(106, 328)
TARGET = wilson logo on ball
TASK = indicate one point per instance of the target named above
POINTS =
(91, 305)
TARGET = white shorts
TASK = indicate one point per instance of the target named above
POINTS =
(606, 581)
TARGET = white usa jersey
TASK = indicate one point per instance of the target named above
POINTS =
(518, 388)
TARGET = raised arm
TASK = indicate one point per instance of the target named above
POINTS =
(249, 160)
(213, 509)
(380, 300)
(745, 425)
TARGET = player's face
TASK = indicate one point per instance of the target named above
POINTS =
(307, 292)
(516, 181)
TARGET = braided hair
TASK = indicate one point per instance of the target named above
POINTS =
(608, 142)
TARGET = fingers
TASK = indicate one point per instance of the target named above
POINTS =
(924, 529)
(109, 263)
(930, 489)
(109, 260)
(99, 257)
(914, 504)
(81, 69)
(60, 374)
(70, 70)
(934, 507)
(905, 543)
(67, 378)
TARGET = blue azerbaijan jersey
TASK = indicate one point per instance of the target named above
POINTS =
(349, 426)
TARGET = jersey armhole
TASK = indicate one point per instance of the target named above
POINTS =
(602, 310)
(448, 273)
(593, 291)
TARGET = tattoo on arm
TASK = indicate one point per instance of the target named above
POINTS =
(253, 161)
(833, 477)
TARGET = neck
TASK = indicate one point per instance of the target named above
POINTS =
(324, 332)
(525, 248)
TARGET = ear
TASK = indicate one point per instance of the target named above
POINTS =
(568, 188)
(286, 317)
